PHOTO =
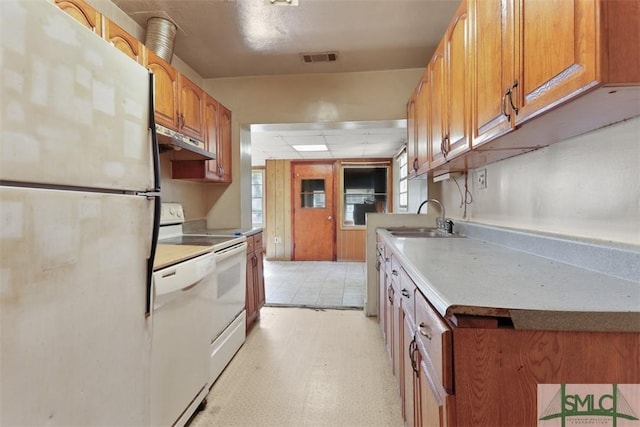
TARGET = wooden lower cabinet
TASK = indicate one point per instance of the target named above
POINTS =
(479, 371)
(255, 297)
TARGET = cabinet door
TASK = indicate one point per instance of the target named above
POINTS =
(211, 113)
(431, 411)
(458, 84)
(166, 91)
(123, 41)
(412, 154)
(422, 126)
(250, 303)
(493, 65)
(438, 107)
(259, 281)
(224, 145)
(558, 47)
(83, 13)
(408, 407)
(191, 111)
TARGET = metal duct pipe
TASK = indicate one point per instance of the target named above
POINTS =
(161, 37)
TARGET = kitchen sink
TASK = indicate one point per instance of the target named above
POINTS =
(421, 232)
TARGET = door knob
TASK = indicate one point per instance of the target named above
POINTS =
(329, 218)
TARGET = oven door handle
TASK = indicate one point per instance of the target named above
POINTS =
(228, 253)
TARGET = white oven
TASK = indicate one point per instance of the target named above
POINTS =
(226, 319)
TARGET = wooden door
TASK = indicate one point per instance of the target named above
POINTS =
(558, 47)
(458, 83)
(314, 233)
(83, 13)
(438, 107)
(166, 91)
(493, 64)
(123, 41)
(191, 111)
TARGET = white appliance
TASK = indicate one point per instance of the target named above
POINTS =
(227, 321)
(182, 306)
(78, 196)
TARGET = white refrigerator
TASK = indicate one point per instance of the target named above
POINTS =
(78, 202)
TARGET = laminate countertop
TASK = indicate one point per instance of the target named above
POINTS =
(167, 255)
(475, 277)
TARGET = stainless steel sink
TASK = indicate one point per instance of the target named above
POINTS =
(421, 232)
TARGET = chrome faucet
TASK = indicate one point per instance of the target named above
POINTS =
(441, 222)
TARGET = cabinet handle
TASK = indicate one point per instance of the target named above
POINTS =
(413, 346)
(425, 331)
(415, 164)
(394, 272)
(390, 294)
(502, 105)
(444, 146)
(513, 107)
(377, 265)
(405, 293)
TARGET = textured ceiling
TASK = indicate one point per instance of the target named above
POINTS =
(234, 38)
(231, 38)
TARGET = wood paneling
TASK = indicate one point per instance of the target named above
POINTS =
(277, 187)
(351, 244)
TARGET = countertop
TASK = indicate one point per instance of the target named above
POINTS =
(472, 276)
(167, 255)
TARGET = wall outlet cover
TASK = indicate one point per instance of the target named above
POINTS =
(481, 178)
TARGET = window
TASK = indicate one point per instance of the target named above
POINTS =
(257, 199)
(312, 193)
(403, 192)
(365, 190)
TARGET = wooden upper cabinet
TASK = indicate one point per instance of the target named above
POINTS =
(422, 125)
(166, 90)
(557, 52)
(458, 84)
(493, 67)
(412, 155)
(82, 12)
(211, 130)
(191, 111)
(223, 157)
(123, 41)
(437, 107)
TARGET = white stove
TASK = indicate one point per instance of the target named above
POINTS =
(171, 220)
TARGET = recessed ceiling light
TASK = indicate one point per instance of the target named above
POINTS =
(318, 147)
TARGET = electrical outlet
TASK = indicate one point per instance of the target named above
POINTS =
(481, 178)
(277, 240)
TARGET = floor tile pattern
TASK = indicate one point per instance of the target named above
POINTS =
(324, 284)
(307, 367)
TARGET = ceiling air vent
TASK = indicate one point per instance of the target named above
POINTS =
(319, 57)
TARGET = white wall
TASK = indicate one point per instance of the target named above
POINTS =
(586, 186)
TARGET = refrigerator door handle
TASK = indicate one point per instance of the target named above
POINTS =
(154, 136)
(155, 195)
(152, 255)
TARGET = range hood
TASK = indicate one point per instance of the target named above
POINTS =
(184, 147)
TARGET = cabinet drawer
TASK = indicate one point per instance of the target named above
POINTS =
(257, 241)
(250, 244)
(435, 336)
(408, 291)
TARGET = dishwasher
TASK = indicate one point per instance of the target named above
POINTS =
(182, 304)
